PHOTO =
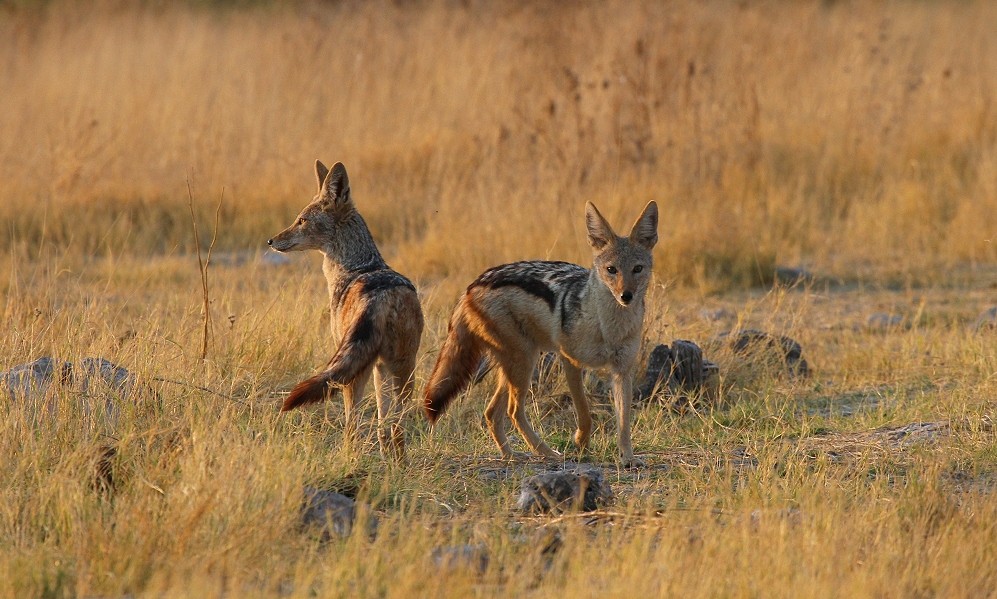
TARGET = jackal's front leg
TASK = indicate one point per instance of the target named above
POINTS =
(582, 416)
(623, 399)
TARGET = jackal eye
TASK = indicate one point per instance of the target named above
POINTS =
(638, 268)
(301, 221)
(611, 270)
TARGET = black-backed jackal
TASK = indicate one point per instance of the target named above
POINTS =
(376, 317)
(593, 318)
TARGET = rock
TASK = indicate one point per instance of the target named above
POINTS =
(788, 275)
(576, 486)
(750, 341)
(882, 322)
(458, 557)
(687, 364)
(678, 368)
(91, 374)
(32, 380)
(94, 372)
(986, 320)
(335, 514)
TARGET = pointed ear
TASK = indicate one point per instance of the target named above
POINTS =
(321, 172)
(645, 230)
(600, 234)
(336, 187)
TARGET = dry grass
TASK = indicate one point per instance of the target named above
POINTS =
(855, 137)
(858, 137)
(778, 489)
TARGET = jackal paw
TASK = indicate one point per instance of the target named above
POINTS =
(632, 462)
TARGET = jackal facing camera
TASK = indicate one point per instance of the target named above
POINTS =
(592, 317)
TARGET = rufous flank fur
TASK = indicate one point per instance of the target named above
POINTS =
(591, 317)
(376, 318)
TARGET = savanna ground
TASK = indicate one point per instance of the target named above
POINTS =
(857, 139)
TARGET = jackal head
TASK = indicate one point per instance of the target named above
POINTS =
(318, 223)
(623, 264)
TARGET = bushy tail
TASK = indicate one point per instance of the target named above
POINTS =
(459, 360)
(358, 350)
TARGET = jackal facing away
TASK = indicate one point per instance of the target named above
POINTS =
(376, 317)
(516, 311)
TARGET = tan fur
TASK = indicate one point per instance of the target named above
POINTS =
(376, 318)
(592, 318)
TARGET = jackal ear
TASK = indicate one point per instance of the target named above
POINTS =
(336, 187)
(645, 230)
(321, 172)
(600, 234)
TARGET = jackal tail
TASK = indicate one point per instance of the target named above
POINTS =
(358, 350)
(456, 365)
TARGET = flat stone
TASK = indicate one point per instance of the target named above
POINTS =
(577, 486)
(335, 514)
(32, 380)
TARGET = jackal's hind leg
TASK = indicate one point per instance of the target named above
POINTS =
(393, 390)
(353, 392)
(519, 388)
(582, 416)
(495, 419)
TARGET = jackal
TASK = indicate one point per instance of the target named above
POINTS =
(593, 318)
(376, 317)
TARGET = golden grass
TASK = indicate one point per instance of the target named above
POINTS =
(209, 488)
(855, 137)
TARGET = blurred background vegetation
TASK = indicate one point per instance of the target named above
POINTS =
(858, 138)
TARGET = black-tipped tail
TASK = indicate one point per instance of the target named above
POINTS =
(357, 352)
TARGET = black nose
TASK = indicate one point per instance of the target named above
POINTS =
(626, 297)
(269, 241)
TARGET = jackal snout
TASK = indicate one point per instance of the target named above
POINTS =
(623, 264)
